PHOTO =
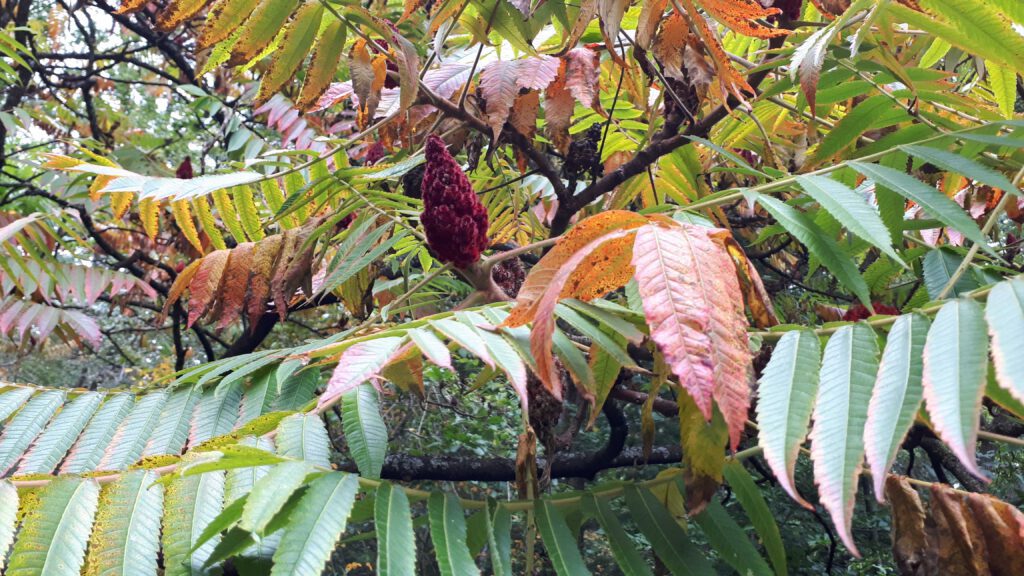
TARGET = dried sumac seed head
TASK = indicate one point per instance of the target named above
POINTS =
(509, 275)
(791, 8)
(412, 180)
(453, 217)
(584, 158)
(375, 153)
(184, 170)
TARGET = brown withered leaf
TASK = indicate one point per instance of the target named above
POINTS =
(700, 489)
(651, 14)
(558, 108)
(831, 7)
(953, 536)
(958, 533)
(281, 277)
(1002, 527)
(588, 9)
(204, 285)
(909, 540)
(526, 464)
(524, 120)
(730, 80)
(263, 260)
(294, 267)
(235, 285)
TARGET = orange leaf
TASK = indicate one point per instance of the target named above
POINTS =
(177, 12)
(178, 288)
(544, 323)
(367, 77)
(205, 284)
(558, 108)
(694, 308)
(524, 120)
(582, 234)
(608, 268)
(129, 6)
(264, 256)
(741, 17)
(235, 284)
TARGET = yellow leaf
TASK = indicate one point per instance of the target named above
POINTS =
(248, 213)
(260, 29)
(298, 38)
(183, 217)
(225, 17)
(149, 212)
(177, 12)
(226, 211)
(120, 202)
(323, 64)
(209, 224)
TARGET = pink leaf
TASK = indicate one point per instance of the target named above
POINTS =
(499, 89)
(536, 72)
(694, 308)
(582, 75)
(357, 364)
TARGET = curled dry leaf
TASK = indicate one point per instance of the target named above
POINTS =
(524, 120)
(957, 533)
(558, 107)
(368, 72)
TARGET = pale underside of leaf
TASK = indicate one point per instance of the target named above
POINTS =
(786, 393)
(848, 372)
(896, 398)
(954, 374)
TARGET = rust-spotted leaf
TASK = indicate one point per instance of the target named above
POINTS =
(298, 38)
